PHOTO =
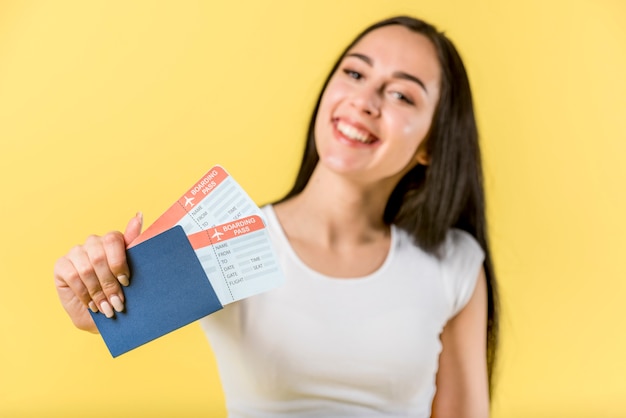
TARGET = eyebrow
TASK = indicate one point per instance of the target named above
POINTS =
(396, 74)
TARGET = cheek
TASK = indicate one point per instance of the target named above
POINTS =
(414, 130)
(409, 129)
(333, 94)
(332, 98)
(417, 125)
(324, 111)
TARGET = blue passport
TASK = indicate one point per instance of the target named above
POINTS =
(168, 290)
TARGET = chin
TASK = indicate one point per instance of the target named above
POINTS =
(342, 165)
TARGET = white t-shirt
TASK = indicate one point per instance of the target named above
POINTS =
(326, 347)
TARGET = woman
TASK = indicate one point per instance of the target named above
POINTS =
(390, 304)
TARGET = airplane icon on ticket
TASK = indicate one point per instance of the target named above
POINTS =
(217, 234)
(189, 201)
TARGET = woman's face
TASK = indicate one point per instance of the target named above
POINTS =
(378, 106)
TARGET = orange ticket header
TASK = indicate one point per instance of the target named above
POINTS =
(202, 188)
(226, 231)
(213, 178)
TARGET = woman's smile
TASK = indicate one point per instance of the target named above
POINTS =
(354, 133)
(378, 105)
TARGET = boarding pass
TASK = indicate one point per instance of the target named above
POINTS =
(228, 234)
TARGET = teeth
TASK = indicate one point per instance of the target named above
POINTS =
(353, 133)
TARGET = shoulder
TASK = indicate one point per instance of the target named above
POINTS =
(461, 246)
(458, 247)
(457, 263)
(269, 216)
(274, 229)
(461, 260)
(271, 220)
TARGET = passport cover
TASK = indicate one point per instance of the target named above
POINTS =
(168, 290)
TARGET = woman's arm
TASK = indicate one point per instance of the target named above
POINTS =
(462, 383)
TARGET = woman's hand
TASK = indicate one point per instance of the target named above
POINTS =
(91, 276)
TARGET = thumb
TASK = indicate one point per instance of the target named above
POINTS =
(133, 229)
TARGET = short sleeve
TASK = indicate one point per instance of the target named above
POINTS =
(461, 262)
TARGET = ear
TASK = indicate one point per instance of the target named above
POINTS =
(421, 156)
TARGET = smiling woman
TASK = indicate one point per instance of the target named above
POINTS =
(390, 306)
(376, 109)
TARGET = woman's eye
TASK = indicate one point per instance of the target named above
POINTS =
(399, 96)
(353, 74)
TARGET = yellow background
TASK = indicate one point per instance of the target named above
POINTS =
(110, 107)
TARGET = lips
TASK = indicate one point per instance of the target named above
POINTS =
(355, 133)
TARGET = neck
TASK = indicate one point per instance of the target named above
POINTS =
(338, 211)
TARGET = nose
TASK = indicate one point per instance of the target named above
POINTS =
(367, 100)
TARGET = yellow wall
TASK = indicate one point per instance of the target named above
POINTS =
(109, 107)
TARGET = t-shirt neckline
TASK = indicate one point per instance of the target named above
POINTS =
(275, 225)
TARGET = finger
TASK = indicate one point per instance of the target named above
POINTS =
(133, 229)
(115, 249)
(90, 263)
(83, 265)
(108, 281)
(66, 276)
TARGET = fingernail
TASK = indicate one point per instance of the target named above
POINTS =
(123, 279)
(117, 303)
(93, 307)
(139, 216)
(106, 309)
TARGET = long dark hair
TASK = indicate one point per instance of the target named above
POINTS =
(448, 193)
